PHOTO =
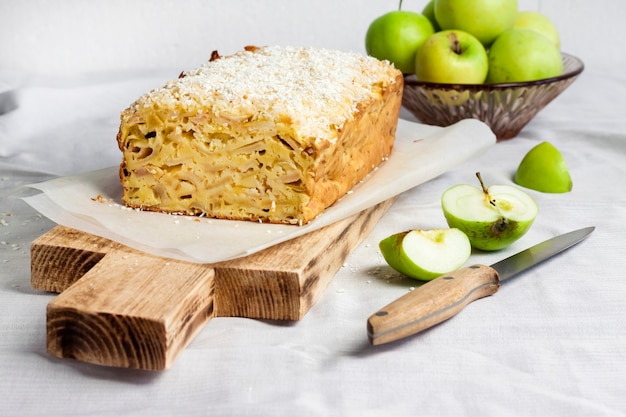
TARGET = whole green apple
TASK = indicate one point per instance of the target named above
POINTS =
(485, 19)
(396, 37)
(523, 55)
(544, 169)
(492, 218)
(452, 57)
(539, 23)
(426, 254)
(429, 12)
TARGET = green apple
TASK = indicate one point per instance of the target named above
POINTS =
(429, 12)
(539, 23)
(523, 55)
(544, 169)
(426, 254)
(492, 218)
(452, 57)
(485, 19)
(396, 37)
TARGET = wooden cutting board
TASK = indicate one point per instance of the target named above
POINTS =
(125, 308)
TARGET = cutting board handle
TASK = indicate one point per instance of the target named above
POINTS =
(124, 308)
(131, 311)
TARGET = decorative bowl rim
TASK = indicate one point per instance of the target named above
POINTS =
(410, 80)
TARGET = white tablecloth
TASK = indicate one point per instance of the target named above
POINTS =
(551, 342)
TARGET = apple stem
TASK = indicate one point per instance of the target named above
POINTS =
(501, 224)
(482, 185)
(456, 45)
(400, 5)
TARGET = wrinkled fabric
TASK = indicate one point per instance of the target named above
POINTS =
(550, 342)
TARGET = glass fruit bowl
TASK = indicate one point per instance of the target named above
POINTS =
(505, 108)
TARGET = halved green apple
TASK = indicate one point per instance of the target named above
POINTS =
(426, 254)
(492, 218)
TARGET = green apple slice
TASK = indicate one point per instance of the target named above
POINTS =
(426, 254)
(492, 218)
(544, 169)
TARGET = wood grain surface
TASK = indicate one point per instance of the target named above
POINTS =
(125, 308)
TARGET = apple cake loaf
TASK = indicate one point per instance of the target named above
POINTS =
(272, 134)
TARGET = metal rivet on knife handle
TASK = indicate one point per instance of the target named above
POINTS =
(432, 303)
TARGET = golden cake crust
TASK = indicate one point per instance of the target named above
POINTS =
(272, 134)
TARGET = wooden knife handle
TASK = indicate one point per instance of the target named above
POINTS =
(431, 303)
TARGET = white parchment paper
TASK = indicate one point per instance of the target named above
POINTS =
(420, 153)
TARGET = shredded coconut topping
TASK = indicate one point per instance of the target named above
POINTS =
(316, 90)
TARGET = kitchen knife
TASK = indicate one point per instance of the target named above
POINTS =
(445, 296)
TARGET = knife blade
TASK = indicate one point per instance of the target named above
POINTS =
(447, 295)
